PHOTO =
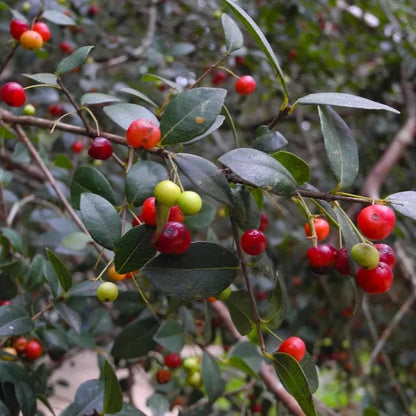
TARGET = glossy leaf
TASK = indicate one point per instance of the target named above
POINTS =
(297, 167)
(88, 399)
(89, 179)
(97, 98)
(211, 377)
(239, 305)
(14, 320)
(171, 336)
(72, 318)
(124, 114)
(260, 169)
(58, 18)
(157, 78)
(248, 353)
(140, 95)
(340, 146)
(309, 369)
(268, 141)
(293, 378)
(404, 203)
(136, 339)
(43, 78)
(134, 249)
(203, 219)
(244, 210)
(13, 237)
(191, 113)
(101, 220)
(204, 270)
(61, 270)
(86, 288)
(214, 126)
(207, 177)
(233, 37)
(344, 100)
(141, 180)
(73, 61)
(113, 396)
(35, 277)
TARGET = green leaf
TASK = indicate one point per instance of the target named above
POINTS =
(211, 377)
(141, 180)
(260, 39)
(294, 380)
(214, 126)
(13, 237)
(88, 179)
(113, 396)
(404, 203)
(191, 113)
(61, 270)
(124, 114)
(244, 210)
(158, 404)
(129, 410)
(8, 286)
(26, 398)
(134, 249)
(136, 339)
(43, 78)
(248, 353)
(58, 18)
(157, 78)
(73, 61)
(182, 49)
(88, 399)
(207, 177)
(101, 220)
(203, 219)
(260, 169)
(309, 369)
(276, 310)
(239, 305)
(204, 270)
(14, 321)
(340, 147)
(97, 98)
(63, 161)
(72, 318)
(35, 276)
(171, 336)
(52, 279)
(297, 167)
(87, 288)
(76, 241)
(233, 37)
(344, 100)
(140, 95)
(268, 141)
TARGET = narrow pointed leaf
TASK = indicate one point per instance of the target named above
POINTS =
(101, 220)
(277, 307)
(124, 114)
(297, 167)
(340, 147)
(140, 95)
(97, 98)
(244, 210)
(72, 318)
(73, 61)
(344, 100)
(58, 18)
(14, 320)
(239, 305)
(211, 377)
(309, 369)
(60, 268)
(26, 398)
(113, 396)
(204, 270)
(43, 78)
(233, 37)
(404, 203)
(157, 78)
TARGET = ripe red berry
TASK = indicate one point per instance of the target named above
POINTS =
(264, 221)
(17, 27)
(376, 222)
(293, 346)
(256, 408)
(143, 133)
(77, 146)
(218, 78)
(253, 242)
(20, 344)
(33, 349)
(375, 281)
(321, 228)
(5, 302)
(93, 11)
(175, 214)
(322, 258)
(245, 85)
(139, 221)
(342, 264)
(43, 30)
(175, 238)
(148, 213)
(163, 375)
(100, 148)
(13, 94)
(55, 110)
(240, 60)
(66, 47)
(173, 360)
(386, 254)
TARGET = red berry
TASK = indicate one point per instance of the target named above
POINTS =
(264, 221)
(342, 264)
(253, 242)
(43, 30)
(17, 27)
(5, 302)
(240, 60)
(175, 214)
(20, 344)
(93, 11)
(13, 94)
(293, 346)
(33, 349)
(55, 110)
(386, 254)
(321, 228)
(139, 221)
(376, 222)
(66, 47)
(245, 85)
(163, 375)
(374, 281)
(293, 53)
(175, 238)
(143, 133)
(173, 360)
(148, 213)
(218, 78)
(322, 258)
(77, 146)
(100, 148)
(256, 408)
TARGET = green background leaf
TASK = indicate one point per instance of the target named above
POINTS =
(14, 320)
(113, 396)
(171, 336)
(211, 377)
(73, 61)
(233, 37)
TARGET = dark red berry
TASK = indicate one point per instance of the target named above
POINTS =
(163, 375)
(33, 349)
(376, 222)
(218, 78)
(175, 238)
(13, 94)
(256, 408)
(77, 146)
(245, 85)
(17, 27)
(342, 264)
(375, 281)
(240, 60)
(100, 148)
(386, 254)
(66, 47)
(173, 360)
(55, 110)
(264, 221)
(253, 242)
(93, 11)
(322, 258)
(293, 346)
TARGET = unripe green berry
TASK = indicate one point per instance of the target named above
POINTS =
(191, 364)
(167, 193)
(107, 292)
(29, 110)
(195, 379)
(189, 202)
(365, 255)
(225, 294)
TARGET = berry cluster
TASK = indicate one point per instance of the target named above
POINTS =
(375, 261)
(30, 38)
(22, 347)
(172, 361)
